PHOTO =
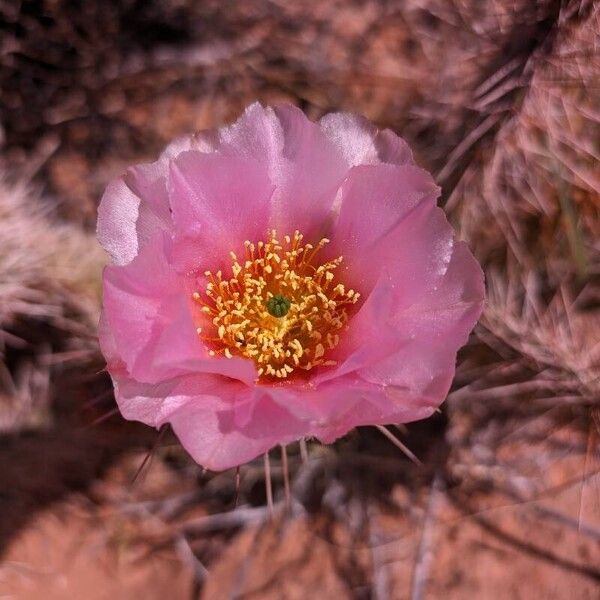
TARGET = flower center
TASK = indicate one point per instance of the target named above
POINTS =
(279, 308)
(278, 305)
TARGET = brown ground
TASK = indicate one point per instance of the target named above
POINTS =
(500, 101)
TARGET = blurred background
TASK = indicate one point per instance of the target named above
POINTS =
(500, 100)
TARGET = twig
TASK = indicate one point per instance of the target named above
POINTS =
(303, 450)
(580, 526)
(165, 508)
(381, 578)
(187, 555)
(305, 477)
(286, 476)
(468, 141)
(586, 468)
(241, 516)
(149, 454)
(237, 486)
(390, 436)
(102, 418)
(268, 484)
(425, 551)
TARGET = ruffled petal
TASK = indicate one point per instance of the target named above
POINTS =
(433, 331)
(305, 167)
(308, 177)
(387, 221)
(135, 207)
(334, 408)
(125, 223)
(218, 202)
(155, 403)
(151, 404)
(209, 430)
(106, 339)
(413, 345)
(369, 338)
(148, 313)
(361, 143)
(377, 406)
(410, 259)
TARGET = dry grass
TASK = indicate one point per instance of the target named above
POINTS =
(49, 299)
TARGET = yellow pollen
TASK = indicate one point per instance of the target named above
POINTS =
(278, 308)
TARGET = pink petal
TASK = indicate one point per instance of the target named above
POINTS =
(124, 222)
(377, 406)
(218, 202)
(106, 339)
(256, 135)
(362, 143)
(148, 312)
(384, 223)
(305, 167)
(308, 178)
(332, 409)
(411, 261)
(314, 407)
(414, 347)
(151, 404)
(209, 431)
(155, 404)
(370, 336)
(434, 331)
(135, 206)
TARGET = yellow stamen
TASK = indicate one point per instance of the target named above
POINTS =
(278, 308)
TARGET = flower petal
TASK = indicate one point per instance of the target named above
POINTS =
(210, 432)
(434, 330)
(151, 404)
(377, 406)
(124, 222)
(411, 261)
(305, 167)
(149, 316)
(135, 206)
(413, 345)
(362, 143)
(387, 220)
(218, 202)
(369, 337)
(334, 408)
(308, 177)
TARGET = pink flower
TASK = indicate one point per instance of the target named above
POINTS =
(279, 279)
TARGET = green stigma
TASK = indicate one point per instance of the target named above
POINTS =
(278, 305)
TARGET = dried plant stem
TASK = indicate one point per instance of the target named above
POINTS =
(104, 417)
(187, 555)
(381, 576)
(149, 455)
(237, 486)
(268, 484)
(390, 436)
(303, 450)
(286, 476)
(240, 517)
(424, 556)
(586, 474)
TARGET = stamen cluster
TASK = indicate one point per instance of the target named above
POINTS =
(278, 308)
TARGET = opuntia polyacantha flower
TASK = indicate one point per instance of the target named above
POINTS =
(279, 279)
